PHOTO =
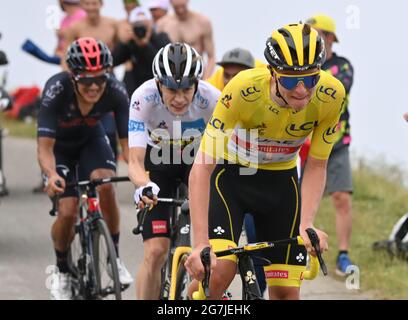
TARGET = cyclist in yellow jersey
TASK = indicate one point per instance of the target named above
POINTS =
(247, 160)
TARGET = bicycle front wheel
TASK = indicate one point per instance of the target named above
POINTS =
(182, 280)
(107, 281)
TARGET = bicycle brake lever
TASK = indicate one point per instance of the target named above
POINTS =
(206, 260)
(314, 239)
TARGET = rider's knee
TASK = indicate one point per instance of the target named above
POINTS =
(284, 293)
(67, 210)
(156, 255)
(106, 189)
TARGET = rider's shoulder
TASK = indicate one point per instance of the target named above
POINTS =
(147, 93)
(252, 75)
(206, 88)
(249, 85)
(61, 79)
(329, 89)
(116, 86)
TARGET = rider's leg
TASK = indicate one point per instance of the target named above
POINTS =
(63, 230)
(149, 274)
(221, 278)
(284, 293)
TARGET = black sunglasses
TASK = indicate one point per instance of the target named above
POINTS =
(87, 81)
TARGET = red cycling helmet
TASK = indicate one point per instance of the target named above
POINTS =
(88, 54)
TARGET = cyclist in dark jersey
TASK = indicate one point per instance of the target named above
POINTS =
(72, 144)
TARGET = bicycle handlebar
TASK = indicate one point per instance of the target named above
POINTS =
(94, 183)
(310, 274)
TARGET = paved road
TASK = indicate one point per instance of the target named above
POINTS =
(26, 248)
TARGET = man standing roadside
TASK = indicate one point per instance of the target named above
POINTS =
(192, 28)
(339, 180)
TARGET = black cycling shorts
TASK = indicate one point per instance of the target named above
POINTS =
(168, 177)
(271, 196)
(77, 163)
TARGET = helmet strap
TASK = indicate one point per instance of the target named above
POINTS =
(277, 93)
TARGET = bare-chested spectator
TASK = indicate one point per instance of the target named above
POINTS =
(94, 25)
(158, 9)
(192, 28)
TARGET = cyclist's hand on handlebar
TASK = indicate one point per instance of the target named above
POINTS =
(146, 195)
(323, 244)
(194, 265)
(55, 185)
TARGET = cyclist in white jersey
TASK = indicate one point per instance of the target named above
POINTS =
(168, 115)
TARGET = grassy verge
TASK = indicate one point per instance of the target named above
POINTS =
(380, 199)
(18, 128)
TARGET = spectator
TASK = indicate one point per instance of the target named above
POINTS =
(158, 9)
(339, 179)
(192, 28)
(130, 5)
(74, 13)
(125, 35)
(142, 47)
(233, 61)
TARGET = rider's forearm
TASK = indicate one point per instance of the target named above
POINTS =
(313, 184)
(46, 159)
(137, 172)
(199, 196)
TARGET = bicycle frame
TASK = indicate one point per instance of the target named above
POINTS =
(89, 212)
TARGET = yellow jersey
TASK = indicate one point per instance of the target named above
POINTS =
(217, 79)
(250, 129)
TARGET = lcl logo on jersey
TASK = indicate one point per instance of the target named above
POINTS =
(301, 130)
(217, 124)
(250, 94)
(323, 94)
(329, 135)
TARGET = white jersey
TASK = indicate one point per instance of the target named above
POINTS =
(150, 121)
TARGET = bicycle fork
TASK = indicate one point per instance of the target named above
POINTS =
(250, 285)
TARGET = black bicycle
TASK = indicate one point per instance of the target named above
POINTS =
(174, 277)
(92, 258)
(250, 286)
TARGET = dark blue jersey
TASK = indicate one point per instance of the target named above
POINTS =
(60, 117)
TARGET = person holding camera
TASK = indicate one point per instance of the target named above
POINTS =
(142, 47)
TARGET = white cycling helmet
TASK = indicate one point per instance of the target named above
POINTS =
(178, 66)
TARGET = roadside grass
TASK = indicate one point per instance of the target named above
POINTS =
(18, 128)
(379, 200)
